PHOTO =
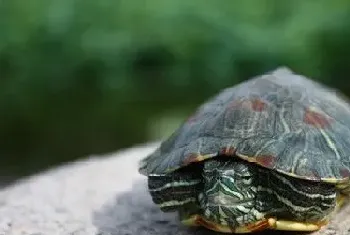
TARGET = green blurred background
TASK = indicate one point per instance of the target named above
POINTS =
(87, 77)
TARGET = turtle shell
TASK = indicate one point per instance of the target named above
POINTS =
(281, 121)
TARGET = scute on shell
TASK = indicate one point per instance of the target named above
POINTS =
(281, 120)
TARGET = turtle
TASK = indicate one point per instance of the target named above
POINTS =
(269, 153)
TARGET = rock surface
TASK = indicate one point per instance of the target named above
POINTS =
(99, 196)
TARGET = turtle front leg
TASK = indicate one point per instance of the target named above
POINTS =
(264, 224)
(199, 220)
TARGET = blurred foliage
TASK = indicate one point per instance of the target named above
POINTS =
(81, 77)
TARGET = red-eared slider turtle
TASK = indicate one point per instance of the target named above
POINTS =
(270, 153)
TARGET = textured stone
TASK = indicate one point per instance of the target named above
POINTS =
(99, 196)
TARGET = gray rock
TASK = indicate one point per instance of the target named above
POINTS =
(99, 196)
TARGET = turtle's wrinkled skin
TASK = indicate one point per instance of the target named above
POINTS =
(259, 155)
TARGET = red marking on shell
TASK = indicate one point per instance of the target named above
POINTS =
(266, 161)
(258, 105)
(230, 151)
(344, 172)
(316, 119)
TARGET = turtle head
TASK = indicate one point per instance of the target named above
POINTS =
(229, 192)
(238, 194)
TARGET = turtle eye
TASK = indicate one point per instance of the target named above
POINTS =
(245, 179)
